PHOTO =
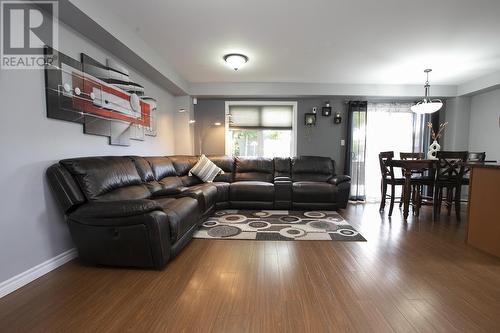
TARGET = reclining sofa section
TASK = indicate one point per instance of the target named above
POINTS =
(141, 211)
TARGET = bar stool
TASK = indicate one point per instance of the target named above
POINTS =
(449, 174)
(472, 157)
(419, 179)
(388, 178)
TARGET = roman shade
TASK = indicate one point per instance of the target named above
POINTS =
(261, 117)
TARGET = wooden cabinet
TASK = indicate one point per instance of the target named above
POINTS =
(483, 228)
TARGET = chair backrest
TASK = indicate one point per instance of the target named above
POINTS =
(411, 156)
(476, 157)
(451, 165)
(386, 168)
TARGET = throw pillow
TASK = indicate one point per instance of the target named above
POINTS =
(205, 169)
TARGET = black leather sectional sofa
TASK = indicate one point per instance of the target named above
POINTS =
(141, 211)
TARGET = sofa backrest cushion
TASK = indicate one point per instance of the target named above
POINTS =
(146, 173)
(161, 166)
(164, 174)
(254, 169)
(107, 177)
(182, 165)
(226, 163)
(312, 168)
(282, 167)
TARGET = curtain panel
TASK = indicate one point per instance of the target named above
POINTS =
(356, 148)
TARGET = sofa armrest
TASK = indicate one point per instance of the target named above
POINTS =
(169, 191)
(282, 193)
(138, 240)
(336, 180)
(114, 209)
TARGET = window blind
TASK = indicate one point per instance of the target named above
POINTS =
(260, 117)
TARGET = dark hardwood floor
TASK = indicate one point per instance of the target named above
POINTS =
(408, 277)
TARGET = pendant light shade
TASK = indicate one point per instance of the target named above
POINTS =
(427, 105)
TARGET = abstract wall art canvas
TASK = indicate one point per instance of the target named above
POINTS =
(101, 97)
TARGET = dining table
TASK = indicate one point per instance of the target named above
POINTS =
(410, 167)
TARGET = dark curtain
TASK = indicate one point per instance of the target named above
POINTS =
(356, 148)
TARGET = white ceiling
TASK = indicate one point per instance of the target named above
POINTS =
(321, 41)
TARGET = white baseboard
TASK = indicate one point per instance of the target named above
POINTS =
(16, 282)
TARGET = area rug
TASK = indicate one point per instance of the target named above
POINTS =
(278, 225)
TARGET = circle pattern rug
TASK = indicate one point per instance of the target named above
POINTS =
(278, 225)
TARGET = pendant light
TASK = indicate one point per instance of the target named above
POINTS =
(427, 105)
(235, 60)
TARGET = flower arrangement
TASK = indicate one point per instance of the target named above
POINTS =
(437, 135)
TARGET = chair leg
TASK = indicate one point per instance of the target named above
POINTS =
(450, 199)
(393, 192)
(440, 200)
(449, 193)
(401, 199)
(435, 203)
(458, 194)
(418, 199)
(384, 195)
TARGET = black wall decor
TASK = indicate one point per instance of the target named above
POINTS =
(326, 111)
(310, 119)
(100, 97)
(337, 119)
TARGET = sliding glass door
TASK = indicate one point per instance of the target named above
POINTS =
(377, 127)
(389, 128)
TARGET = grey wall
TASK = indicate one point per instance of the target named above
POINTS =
(207, 136)
(323, 139)
(32, 229)
(457, 114)
(484, 131)
(183, 130)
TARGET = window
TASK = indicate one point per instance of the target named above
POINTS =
(263, 129)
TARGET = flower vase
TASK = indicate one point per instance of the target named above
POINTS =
(433, 149)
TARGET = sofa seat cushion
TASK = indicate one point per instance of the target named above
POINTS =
(206, 194)
(222, 191)
(307, 191)
(183, 215)
(251, 191)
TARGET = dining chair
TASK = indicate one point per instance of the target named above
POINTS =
(450, 169)
(411, 156)
(387, 170)
(472, 157)
(419, 179)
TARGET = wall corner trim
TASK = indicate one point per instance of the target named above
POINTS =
(22, 279)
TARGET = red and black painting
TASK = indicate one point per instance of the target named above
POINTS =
(101, 97)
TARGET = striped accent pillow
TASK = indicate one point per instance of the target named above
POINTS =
(205, 169)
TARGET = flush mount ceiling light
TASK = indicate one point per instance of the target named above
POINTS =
(427, 105)
(235, 60)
